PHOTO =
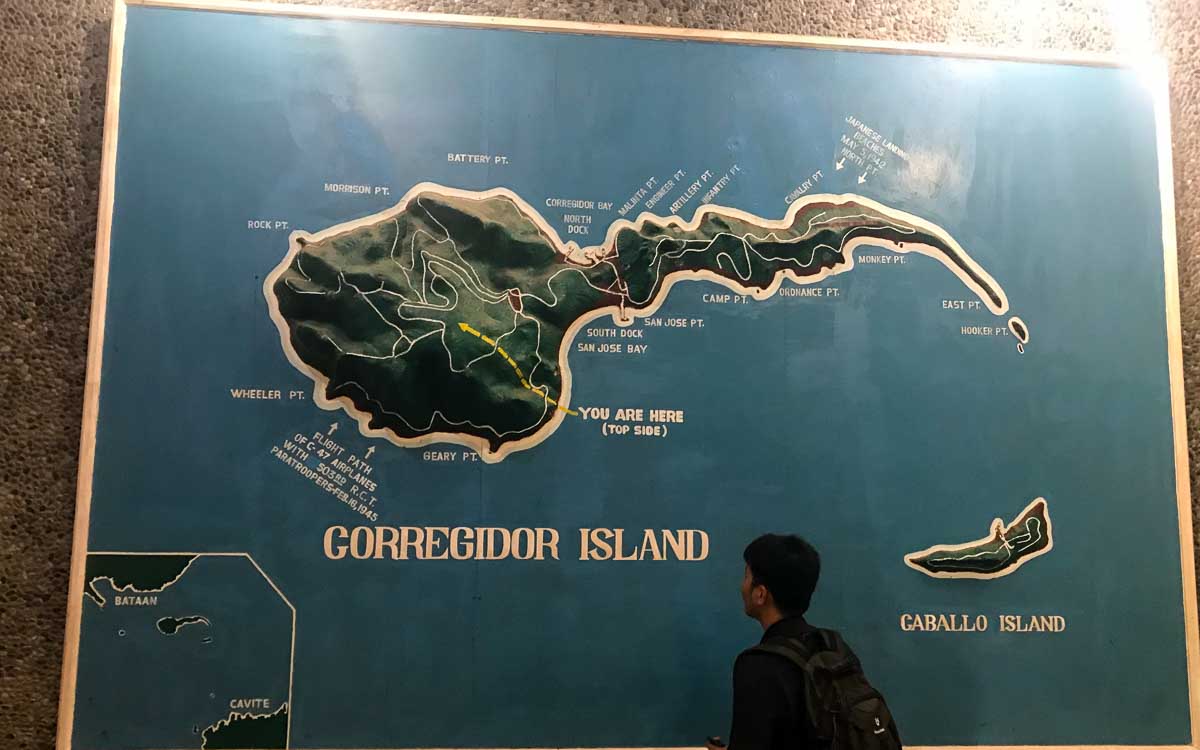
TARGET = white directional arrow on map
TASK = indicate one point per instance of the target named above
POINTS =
(369, 452)
(862, 178)
(332, 429)
(839, 163)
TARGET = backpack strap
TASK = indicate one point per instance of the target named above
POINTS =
(792, 649)
(796, 651)
(802, 652)
(831, 640)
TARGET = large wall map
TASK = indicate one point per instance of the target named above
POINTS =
(442, 372)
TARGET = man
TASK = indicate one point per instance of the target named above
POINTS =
(796, 666)
(769, 709)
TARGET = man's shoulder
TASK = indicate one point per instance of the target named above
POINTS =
(756, 661)
(801, 638)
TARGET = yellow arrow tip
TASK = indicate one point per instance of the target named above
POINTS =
(465, 328)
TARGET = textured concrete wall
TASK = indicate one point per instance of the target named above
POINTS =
(52, 75)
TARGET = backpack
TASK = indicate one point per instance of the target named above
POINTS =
(846, 712)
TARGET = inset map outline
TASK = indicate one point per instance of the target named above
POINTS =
(267, 578)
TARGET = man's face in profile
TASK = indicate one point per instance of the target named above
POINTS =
(749, 606)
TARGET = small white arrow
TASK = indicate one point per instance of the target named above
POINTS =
(862, 178)
(332, 429)
(840, 163)
(369, 451)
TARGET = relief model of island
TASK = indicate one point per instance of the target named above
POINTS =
(449, 317)
(999, 553)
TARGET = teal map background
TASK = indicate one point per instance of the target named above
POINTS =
(867, 424)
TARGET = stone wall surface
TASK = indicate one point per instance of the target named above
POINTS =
(52, 82)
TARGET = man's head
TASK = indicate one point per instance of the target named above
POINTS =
(781, 574)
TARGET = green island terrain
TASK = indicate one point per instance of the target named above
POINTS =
(140, 573)
(449, 318)
(248, 731)
(1004, 550)
(172, 625)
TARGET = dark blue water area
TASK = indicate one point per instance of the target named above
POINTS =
(866, 422)
(140, 688)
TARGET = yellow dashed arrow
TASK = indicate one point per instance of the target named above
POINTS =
(516, 368)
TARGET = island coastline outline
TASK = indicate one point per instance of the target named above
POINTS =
(986, 289)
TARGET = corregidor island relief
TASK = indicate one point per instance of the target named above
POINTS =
(449, 318)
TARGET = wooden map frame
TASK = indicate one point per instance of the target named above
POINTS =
(1153, 71)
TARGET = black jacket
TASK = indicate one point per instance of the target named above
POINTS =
(769, 712)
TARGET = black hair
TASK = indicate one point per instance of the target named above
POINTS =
(788, 566)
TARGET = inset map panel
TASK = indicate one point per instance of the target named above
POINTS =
(201, 645)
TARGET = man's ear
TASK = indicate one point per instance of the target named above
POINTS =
(762, 595)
